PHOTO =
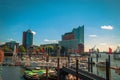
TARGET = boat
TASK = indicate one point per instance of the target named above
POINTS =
(116, 54)
(36, 74)
(117, 71)
(101, 64)
(80, 66)
(30, 75)
(83, 66)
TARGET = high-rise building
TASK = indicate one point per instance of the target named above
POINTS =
(27, 39)
(74, 41)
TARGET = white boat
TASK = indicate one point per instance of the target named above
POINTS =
(101, 64)
(80, 66)
(116, 54)
(83, 66)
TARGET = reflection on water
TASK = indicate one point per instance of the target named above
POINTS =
(102, 71)
(12, 73)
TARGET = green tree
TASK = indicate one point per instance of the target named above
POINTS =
(7, 49)
(22, 49)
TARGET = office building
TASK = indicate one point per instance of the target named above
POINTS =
(27, 39)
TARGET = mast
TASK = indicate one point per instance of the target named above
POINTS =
(14, 57)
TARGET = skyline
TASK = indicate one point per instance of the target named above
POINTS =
(49, 20)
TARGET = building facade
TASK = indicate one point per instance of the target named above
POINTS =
(12, 44)
(74, 41)
(27, 38)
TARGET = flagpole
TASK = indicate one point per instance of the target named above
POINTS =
(108, 64)
(109, 58)
(110, 52)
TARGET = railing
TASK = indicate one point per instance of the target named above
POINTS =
(82, 74)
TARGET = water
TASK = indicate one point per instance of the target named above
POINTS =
(16, 72)
(102, 72)
(12, 73)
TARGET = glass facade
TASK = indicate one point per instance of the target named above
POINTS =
(11, 44)
(27, 39)
(74, 40)
(79, 34)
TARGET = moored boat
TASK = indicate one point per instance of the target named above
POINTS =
(101, 64)
(117, 71)
(116, 54)
(37, 74)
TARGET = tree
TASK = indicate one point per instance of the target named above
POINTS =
(6, 49)
(22, 49)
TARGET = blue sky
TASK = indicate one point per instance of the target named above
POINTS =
(52, 18)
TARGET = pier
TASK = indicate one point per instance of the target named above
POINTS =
(84, 75)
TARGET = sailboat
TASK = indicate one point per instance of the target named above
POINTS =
(15, 60)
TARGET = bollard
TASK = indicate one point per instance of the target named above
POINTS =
(91, 65)
(77, 69)
(88, 64)
(107, 69)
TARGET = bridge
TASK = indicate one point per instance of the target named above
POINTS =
(82, 74)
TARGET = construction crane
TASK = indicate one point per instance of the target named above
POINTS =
(93, 49)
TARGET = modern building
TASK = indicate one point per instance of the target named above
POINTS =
(74, 41)
(12, 44)
(27, 38)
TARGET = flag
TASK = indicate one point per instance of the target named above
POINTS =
(110, 50)
(43, 50)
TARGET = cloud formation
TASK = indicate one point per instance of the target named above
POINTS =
(11, 39)
(50, 41)
(33, 32)
(109, 27)
(92, 35)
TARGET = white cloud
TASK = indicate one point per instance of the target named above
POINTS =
(33, 32)
(103, 44)
(92, 35)
(50, 41)
(46, 40)
(11, 39)
(109, 27)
